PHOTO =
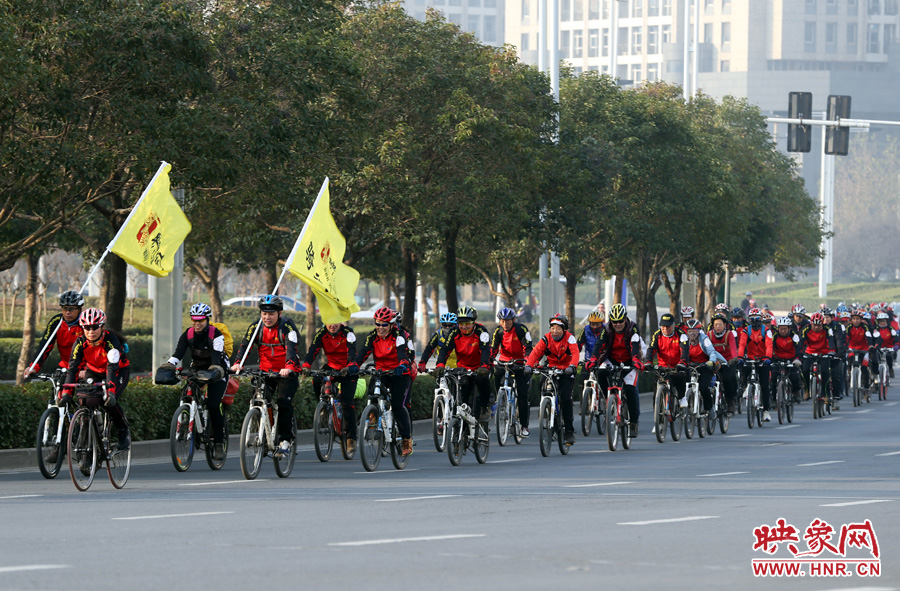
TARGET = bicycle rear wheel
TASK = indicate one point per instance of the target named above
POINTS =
(882, 382)
(82, 449)
(587, 417)
(482, 443)
(814, 396)
(690, 419)
(49, 448)
(612, 423)
(751, 410)
(438, 428)
(284, 465)
(544, 426)
(723, 421)
(118, 462)
(369, 439)
(516, 425)
(397, 457)
(456, 445)
(181, 438)
(659, 413)
(625, 427)
(780, 402)
(215, 464)
(253, 444)
(503, 416)
(600, 419)
(323, 431)
(676, 424)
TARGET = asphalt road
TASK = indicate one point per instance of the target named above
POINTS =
(671, 516)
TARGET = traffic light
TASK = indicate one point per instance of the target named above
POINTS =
(800, 107)
(837, 139)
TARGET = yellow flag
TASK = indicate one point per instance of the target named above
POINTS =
(155, 229)
(318, 258)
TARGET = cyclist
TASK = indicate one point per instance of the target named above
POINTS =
(207, 346)
(439, 340)
(817, 339)
(620, 343)
(471, 342)
(338, 341)
(889, 339)
(101, 354)
(561, 349)
(586, 341)
(670, 345)
(756, 344)
(839, 363)
(801, 320)
(723, 340)
(388, 347)
(687, 313)
(786, 347)
(276, 342)
(860, 341)
(737, 320)
(721, 310)
(512, 342)
(702, 353)
(71, 303)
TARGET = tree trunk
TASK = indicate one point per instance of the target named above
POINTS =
(368, 298)
(673, 289)
(450, 269)
(620, 279)
(436, 304)
(571, 284)
(31, 297)
(385, 294)
(600, 288)
(653, 323)
(410, 268)
(640, 287)
(271, 275)
(116, 292)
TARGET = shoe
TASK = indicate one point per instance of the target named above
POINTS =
(766, 417)
(124, 440)
(284, 449)
(891, 372)
(406, 447)
(797, 397)
(633, 430)
(731, 408)
(525, 432)
(485, 415)
(219, 452)
(682, 402)
(53, 455)
(570, 437)
(351, 446)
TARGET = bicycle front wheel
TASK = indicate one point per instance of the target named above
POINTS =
(625, 427)
(397, 458)
(181, 438)
(82, 449)
(751, 410)
(587, 417)
(482, 443)
(600, 419)
(659, 413)
(544, 434)
(690, 419)
(369, 438)
(723, 421)
(323, 431)
(814, 395)
(780, 402)
(456, 445)
(253, 443)
(118, 462)
(215, 464)
(49, 448)
(284, 464)
(503, 416)
(612, 423)
(676, 424)
(438, 427)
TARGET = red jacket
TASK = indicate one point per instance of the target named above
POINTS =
(757, 343)
(340, 348)
(65, 339)
(105, 357)
(818, 343)
(560, 354)
(277, 345)
(670, 350)
(786, 347)
(888, 337)
(472, 350)
(725, 344)
(389, 352)
(859, 338)
(513, 344)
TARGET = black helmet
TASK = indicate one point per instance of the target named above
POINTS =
(71, 298)
(466, 313)
(271, 303)
(561, 320)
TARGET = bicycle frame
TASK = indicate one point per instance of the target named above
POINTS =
(64, 413)
(269, 411)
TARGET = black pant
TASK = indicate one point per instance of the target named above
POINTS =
(565, 384)
(284, 390)
(793, 376)
(398, 386)
(824, 370)
(466, 384)
(214, 393)
(704, 380)
(120, 381)
(727, 376)
(523, 385)
(762, 372)
(348, 400)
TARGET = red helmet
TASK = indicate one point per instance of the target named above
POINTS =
(817, 318)
(384, 315)
(92, 316)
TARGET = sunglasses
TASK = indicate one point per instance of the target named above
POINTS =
(382, 324)
(618, 322)
(70, 308)
(92, 326)
(466, 323)
(448, 326)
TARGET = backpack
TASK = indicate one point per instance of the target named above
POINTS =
(229, 342)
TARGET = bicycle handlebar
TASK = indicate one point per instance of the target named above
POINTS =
(550, 372)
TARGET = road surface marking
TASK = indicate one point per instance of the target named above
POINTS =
(723, 474)
(220, 482)
(389, 471)
(16, 569)
(892, 403)
(28, 496)
(416, 498)
(890, 453)
(772, 444)
(823, 463)
(739, 435)
(511, 460)
(400, 540)
(676, 519)
(833, 419)
(862, 412)
(857, 503)
(172, 515)
(595, 484)
(787, 427)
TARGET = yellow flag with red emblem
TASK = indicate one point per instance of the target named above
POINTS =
(156, 227)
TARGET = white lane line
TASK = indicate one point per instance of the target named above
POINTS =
(833, 419)
(787, 427)
(416, 498)
(172, 515)
(772, 444)
(823, 463)
(890, 453)
(862, 412)
(30, 496)
(511, 460)
(739, 435)
(400, 540)
(857, 503)
(595, 484)
(723, 474)
(390, 471)
(594, 451)
(16, 569)
(892, 403)
(220, 482)
(677, 519)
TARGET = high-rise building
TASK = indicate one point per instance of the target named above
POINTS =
(482, 18)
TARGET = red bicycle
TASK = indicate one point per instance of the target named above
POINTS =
(618, 421)
(327, 419)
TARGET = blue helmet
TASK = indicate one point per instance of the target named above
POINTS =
(448, 318)
(506, 314)
(271, 303)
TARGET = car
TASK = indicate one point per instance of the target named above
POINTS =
(369, 313)
(252, 301)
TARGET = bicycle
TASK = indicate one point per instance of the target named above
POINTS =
(593, 406)
(466, 431)
(328, 418)
(885, 379)
(855, 383)
(259, 432)
(617, 417)
(190, 424)
(784, 401)
(818, 391)
(666, 409)
(719, 413)
(753, 395)
(52, 426)
(442, 407)
(550, 421)
(507, 404)
(696, 416)
(93, 439)
(376, 420)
